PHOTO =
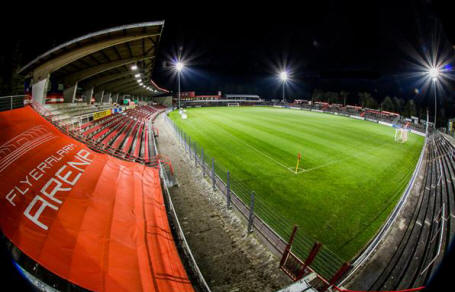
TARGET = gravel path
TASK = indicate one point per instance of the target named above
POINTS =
(229, 259)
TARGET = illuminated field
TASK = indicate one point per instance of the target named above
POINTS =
(351, 175)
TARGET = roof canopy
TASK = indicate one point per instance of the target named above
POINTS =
(103, 59)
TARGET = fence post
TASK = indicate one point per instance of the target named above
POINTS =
(314, 251)
(184, 140)
(195, 154)
(337, 276)
(202, 161)
(288, 246)
(213, 174)
(251, 216)
(228, 190)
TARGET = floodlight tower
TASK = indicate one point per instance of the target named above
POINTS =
(179, 67)
(434, 74)
(284, 78)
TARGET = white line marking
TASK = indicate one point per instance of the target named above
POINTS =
(269, 157)
(291, 169)
(300, 170)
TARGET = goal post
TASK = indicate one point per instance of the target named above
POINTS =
(401, 135)
(233, 104)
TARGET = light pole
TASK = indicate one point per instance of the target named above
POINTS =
(179, 67)
(434, 74)
(284, 78)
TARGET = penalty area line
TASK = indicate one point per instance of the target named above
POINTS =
(269, 157)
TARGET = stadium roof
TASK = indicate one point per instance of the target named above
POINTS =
(241, 95)
(103, 59)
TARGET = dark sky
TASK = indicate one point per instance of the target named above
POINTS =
(334, 45)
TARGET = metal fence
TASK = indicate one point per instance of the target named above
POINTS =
(11, 102)
(261, 217)
(375, 118)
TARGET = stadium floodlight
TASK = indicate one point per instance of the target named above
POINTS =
(137, 75)
(284, 77)
(434, 73)
(134, 67)
(179, 65)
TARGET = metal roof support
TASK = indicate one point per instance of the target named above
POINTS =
(99, 96)
(65, 59)
(119, 83)
(123, 85)
(39, 90)
(84, 74)
(109, 99)
(88, 94)
(69, 94)
(109, 78)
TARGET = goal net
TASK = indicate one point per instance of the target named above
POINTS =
(233, 104)
(401, 132)
(401, 135)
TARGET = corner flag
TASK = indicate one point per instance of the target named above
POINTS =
(299, 156)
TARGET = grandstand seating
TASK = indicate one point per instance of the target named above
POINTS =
(107, 229)
(68, 113)
(127, 135)
(429, 228)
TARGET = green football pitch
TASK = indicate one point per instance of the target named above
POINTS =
(351, 175)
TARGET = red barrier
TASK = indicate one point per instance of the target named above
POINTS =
(90, 218)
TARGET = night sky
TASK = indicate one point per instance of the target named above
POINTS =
(333, 45)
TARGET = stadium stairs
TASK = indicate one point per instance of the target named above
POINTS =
(429, 231)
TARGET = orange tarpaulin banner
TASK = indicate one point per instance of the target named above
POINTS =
(90, 218)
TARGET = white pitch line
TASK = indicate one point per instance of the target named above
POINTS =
(291, 169)
(269, 157)
(327, 164)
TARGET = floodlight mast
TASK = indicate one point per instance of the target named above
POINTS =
(434, 74)
(284, 78)
(179, 67)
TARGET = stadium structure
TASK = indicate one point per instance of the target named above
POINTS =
(338, 197)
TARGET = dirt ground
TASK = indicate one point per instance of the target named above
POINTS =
(229, 258)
